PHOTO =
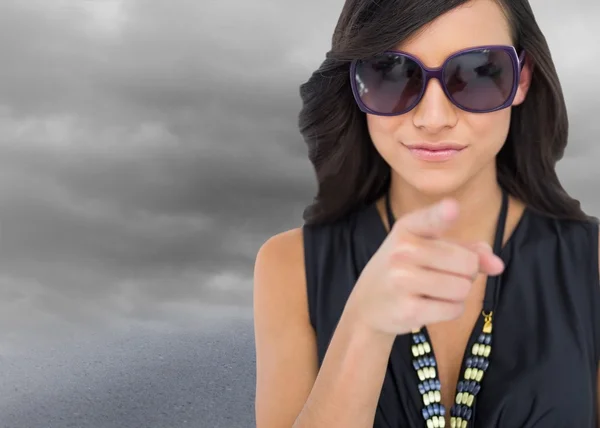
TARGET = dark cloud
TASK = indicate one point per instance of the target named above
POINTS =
(147, 150)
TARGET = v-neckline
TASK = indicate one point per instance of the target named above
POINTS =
(504, 253)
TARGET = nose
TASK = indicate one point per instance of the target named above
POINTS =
(435, 112)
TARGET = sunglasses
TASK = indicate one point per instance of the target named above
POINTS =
(477, 80)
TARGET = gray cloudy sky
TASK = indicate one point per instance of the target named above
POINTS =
(148, 147)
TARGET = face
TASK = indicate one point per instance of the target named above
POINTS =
(411, 143)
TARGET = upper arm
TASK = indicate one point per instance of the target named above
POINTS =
(286, 356)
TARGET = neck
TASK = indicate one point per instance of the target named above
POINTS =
(480, 201)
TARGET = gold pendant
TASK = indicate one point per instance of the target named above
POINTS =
(487, 326)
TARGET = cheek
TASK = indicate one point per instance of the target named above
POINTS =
(384, 131)
(383, 126)
(488, 131)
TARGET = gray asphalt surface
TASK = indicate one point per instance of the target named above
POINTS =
(172, 377)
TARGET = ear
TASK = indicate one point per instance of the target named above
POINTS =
(524, 81)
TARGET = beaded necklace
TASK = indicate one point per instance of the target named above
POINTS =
(475, 361)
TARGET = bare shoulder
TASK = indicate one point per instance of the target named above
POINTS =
(286, 358)
(279, 272)
(281, 253)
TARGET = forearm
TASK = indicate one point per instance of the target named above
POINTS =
(348, 386)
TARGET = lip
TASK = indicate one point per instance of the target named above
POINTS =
(435, 152)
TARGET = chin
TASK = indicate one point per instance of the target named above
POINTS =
(435, 184)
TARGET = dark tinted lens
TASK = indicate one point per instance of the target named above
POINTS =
(389, 83)
(480, 80)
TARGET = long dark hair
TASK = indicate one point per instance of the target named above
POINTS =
(349, 170)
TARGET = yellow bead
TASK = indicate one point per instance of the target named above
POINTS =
(432, 372)
(468, 373)
(470, 400)
(487, 350)
(479, 375)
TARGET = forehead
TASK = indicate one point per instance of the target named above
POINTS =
(476, 23)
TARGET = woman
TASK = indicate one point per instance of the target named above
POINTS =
(480, 305)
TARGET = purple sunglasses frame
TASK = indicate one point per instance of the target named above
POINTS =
(438, 73)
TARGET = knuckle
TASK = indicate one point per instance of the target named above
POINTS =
(400, 275)
(455, 310)
(472, 262)
(459, 309)
(469, 262)
(403, 251)
(462, 287)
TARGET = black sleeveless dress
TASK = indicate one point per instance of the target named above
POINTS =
(546, 349)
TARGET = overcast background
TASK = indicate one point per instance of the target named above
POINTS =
(147, 149)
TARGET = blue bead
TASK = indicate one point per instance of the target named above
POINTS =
(442, 410)
(430, 410)
(422, 338)
(432, 384)
(476, 389)
(415, 338)
(485, 365)
(461, 386)
(415, 364)
(438, 385)
(436, 408)
(481, 338)
(488, 339)
(425, 413)
(468, 414)
(470, 362)
(422, 389)
(432, 362)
